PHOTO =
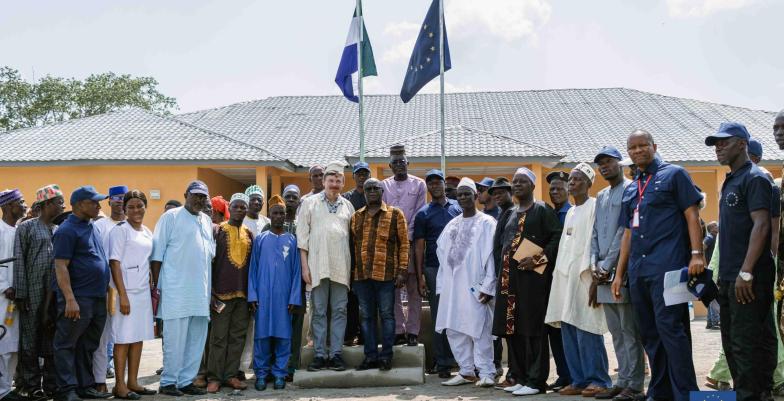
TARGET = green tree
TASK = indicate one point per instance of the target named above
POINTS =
(54, 99)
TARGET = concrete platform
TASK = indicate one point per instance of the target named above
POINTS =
(408, 368)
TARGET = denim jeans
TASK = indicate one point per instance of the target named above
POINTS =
(585, 356)
(377, 296)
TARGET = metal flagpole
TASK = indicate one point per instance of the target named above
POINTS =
(359, 82)
(441, 66)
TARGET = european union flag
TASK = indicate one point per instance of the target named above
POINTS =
(423, 65)
(712, 396)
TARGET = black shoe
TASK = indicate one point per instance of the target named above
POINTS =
(13, 396)
(170, 390)
(384, 365)
(444, 374)
(412, 340)
(336, 363)
(558, 385)
(318, 363)
(280, 383)
(241, 375)
(400, 339)
(93, 394)
(192, 390)
(367, 364)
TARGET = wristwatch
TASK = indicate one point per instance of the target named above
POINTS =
(745, 276)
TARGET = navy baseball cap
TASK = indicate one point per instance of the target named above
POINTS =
(486, 182)
(701, 286)
(361, 166)
(728, 130)
(87, 192)
(434, 173)
(610, 151)
(198, 187)
(755, 148)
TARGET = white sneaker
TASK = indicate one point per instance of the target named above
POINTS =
(525, 390)
(485, 382)
(512, 389)
(457, 381)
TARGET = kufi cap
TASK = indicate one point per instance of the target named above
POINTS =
(586, 169)
(239, 196)
(116, 193)
(254, 190)
(397, 150)
(291, 188)
(50, 191)
(313, 167)
(337, 166)
(276, 200)
(530, 174)
(468, 183)
(10, 195)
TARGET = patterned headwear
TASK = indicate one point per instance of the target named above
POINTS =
(291, 188)
(528, 173)
(220, 205)
(276, 200)
(253, 190)
(587, 170)
(117, 193)
(10, 195)
(48, 192)
(468, 183)
(240, 197)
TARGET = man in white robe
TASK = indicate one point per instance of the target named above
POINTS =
(14, 208)
(582, 324)
(466, 283)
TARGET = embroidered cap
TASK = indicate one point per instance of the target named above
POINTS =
(587, 170)
(239, 196)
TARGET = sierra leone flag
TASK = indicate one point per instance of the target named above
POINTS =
(347, 77)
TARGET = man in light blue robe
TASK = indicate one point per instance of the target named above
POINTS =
(274, 287)
(181, 264)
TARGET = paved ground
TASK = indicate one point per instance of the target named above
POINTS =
(706, 347)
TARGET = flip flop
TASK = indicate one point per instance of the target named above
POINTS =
(145, 391)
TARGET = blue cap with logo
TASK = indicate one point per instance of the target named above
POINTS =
(486, 182)
(117, 192)
(361, 166)
(198, 187)
(701, 286)
(87, 192)
(610, 151)
(434, 173)
(728, 130)
(755, 148)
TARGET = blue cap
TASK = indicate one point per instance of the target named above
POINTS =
(117, 192)
(701, 286)
(361, 166)
(728, 130)
(434, 173)
(198, 187)
(486, 182)
(610, 151)
(87, 192)
(755, 148)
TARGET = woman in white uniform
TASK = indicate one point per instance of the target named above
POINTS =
(130, 246)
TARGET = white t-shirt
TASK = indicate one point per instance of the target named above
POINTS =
(132, 249)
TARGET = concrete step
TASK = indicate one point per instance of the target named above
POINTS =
(408, 368)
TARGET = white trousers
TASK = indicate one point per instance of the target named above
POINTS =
(8, 368)
(101, 356)
(246, 360)
(472, 353)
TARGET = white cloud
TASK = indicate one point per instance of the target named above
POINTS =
(701, 8)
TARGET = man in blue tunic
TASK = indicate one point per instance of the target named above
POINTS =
(181, 264)
(660, 216)
(274, 287)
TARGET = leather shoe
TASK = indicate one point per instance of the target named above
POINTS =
(629, 394)
(236, 384)
(609, 393)
(170, 390)
(592, 390)
(192, 390)
(280, 383)
(558, 385)
(444, 374)
(200, 381)
(571, 390)
(400, 339)
(384, 365)
(93, 394)
(367, 364)
(412, 340)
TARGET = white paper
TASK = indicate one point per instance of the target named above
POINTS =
(675, 291)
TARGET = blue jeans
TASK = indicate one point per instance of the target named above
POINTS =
(586, 357)
(377, 296)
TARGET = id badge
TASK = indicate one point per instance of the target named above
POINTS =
(636, 218)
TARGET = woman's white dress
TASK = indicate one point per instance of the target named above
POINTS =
(132, 249)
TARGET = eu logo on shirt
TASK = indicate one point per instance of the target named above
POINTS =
(712, 396)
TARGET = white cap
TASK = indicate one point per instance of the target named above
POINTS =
(468, 183)
(586, 169)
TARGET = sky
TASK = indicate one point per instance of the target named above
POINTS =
(213, 53)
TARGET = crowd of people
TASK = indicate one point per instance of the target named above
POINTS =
(227, 286)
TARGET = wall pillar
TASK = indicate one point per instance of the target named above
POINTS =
(539, 188)
(262, 173)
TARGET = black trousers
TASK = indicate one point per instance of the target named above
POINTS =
(75, 341)
(31, 376)
(529, 360)
(749, 339)
(556, 343)
(353, 322)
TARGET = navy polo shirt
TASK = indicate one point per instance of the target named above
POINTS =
(661, 242)
(429, 221)
(494, 212)
(77, 241)
(746, 190)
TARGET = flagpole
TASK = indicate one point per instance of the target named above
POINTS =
(359, 81)
(441, 66)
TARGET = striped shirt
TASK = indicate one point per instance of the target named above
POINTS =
(379, 244)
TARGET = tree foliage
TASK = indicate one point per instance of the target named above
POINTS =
(54, 99)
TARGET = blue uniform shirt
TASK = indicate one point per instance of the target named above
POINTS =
(77, 241)
(744, 191)
(429, 221)
(562, 212)
(661, 242)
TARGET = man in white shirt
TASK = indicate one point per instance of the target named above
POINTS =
(14, 208)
